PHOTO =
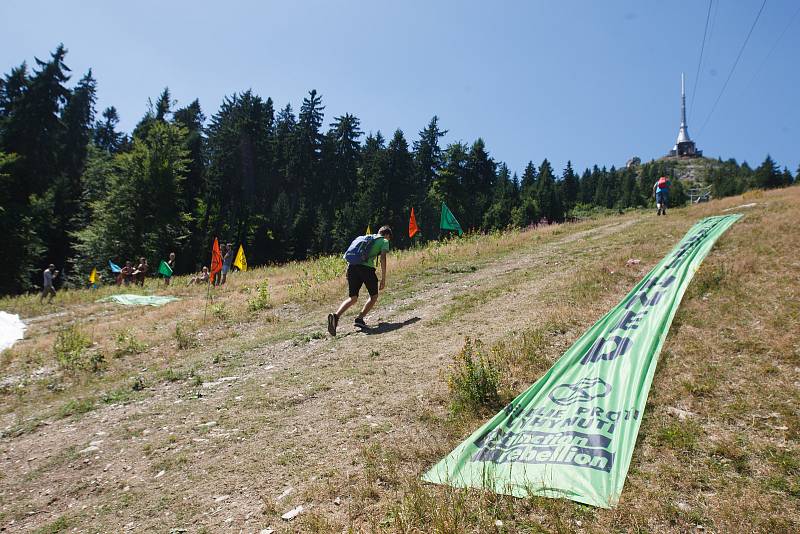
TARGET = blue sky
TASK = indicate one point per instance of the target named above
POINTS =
(594, 82)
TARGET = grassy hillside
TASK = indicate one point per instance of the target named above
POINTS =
(223, 416)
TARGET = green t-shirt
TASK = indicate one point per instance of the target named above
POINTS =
(379, 245)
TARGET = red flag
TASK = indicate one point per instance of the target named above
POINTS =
(216, 260)
(412, 225)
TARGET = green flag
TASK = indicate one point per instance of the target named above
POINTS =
(449, 221)
(165, 269)
(572, 433)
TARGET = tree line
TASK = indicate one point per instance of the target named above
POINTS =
(78, 192)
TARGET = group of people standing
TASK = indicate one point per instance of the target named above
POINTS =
(133, 275)
(136, 274)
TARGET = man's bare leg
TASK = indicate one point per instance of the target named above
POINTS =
(345, 305)
(368, 306)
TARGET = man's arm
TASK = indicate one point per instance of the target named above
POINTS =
(383, 270)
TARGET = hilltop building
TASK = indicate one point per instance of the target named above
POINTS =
(684, 146)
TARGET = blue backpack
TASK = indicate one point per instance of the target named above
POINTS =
(358, 251)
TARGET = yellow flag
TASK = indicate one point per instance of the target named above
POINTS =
(240, 261)
(93, 276)
(369, 230)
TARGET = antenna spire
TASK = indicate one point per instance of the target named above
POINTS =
(683, 104)
(684, 146)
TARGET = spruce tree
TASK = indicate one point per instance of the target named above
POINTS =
(787, 177)
(340, 159)
(569, 187)
(239, 170)
(191, 119)
(447, 186)
(12, 88)
(397, 185)
(499, 213)
(105, 134)
(344, 159)
(549, 200)
(77, 117)
(767, 175)
(32, 129)
(527, 212)
(284, 214)
(308, 139)
(479, 179)
(428, 161)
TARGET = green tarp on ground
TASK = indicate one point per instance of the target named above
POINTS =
(139, 300)
(572, 433)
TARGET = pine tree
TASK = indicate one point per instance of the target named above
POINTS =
(549, 200)
(588, 185)
(767, 175)
(32, 130)
(529, 177)
(283, 216)
(344, 159)
(479, 179)
(308, 139)
(448, 185)
(369, 205)
(240, 169)
(629, 195)
(527, 212)
(499, 213)
(787, 178)
(604, 193)
(77, 117)
(309, 142)
(340, 160)
(12, 89)
(398, 184)
(106, 136)
(191, 119)
(428, 153)
(163, 106)
(569, 187)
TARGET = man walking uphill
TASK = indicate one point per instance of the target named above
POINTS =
(661, 191)
(361, 257)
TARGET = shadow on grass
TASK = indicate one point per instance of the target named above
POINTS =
(383, 328)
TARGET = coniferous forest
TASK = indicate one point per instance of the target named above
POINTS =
(287, 183)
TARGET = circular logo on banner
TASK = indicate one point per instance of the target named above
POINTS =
(584, 390)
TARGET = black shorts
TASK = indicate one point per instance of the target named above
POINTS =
(361, 274)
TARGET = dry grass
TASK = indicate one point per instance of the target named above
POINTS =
(732, 359)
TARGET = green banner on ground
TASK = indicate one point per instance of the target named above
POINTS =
(572, 433)
(139, 300)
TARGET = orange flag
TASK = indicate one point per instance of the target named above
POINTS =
(412, 225)
(216, 260)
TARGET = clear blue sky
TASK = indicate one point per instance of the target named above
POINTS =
(594, 82)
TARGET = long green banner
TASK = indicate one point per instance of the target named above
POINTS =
(572, 433)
